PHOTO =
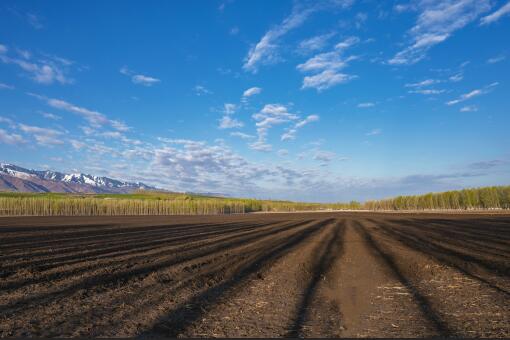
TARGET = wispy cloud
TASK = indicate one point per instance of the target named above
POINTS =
(201, 90)
(139, 79)
(315, 43)
(290, 134)
(269, 116)
(46, 70)
(470, 108)
(6, 86)
(436, 22)
(241, 135)
(374, 132)
(43, 136)
(252, 91)
(488, 164)
(7, 121)
(324, 157)
(427, 92)
(227, 122)
(282, 152)
(496, 59)
(365, 105)
(34, 21)
(94, 118)
(266, 50)
(329, 66)
(472, 94)
(456, 77)
(495, 16)
(10, 138)
(49, 115)
(426, 82)
(326, 80)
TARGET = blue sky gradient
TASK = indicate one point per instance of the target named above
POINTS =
(301, 100)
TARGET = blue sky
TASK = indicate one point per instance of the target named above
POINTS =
(302, 100)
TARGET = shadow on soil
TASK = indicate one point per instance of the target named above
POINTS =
(177, 321)
(327, 252)
(423, 303)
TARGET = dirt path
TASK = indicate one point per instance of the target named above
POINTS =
(274, 275)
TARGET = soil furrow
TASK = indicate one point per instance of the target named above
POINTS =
(328, 274)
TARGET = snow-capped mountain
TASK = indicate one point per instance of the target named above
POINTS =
(15, 178)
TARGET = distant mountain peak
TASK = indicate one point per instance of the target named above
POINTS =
(16, 178)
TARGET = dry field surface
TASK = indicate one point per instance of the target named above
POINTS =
(276, 275)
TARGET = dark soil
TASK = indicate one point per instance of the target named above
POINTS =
(260, 275)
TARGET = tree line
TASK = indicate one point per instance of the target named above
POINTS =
(17, 204)
(496, 197)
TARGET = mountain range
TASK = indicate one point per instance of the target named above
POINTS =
(16, 178)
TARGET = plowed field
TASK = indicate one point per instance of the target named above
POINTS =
(272, 275)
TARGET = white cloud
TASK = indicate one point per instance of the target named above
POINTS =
(316, 43)
(374, 132)
(496, 59)
(241, 135)
(43, 136)
(470, 108)
(229, 108)
(427, 91)
(324, 157)
(328, 66)
(309, 119)
(493, 17)
(200, 165)
(291, 133)
(366, 105)
(282, 152)
(456, 77)
(95, 119)
(144, 80)
(6, 86)
(118, 125)
(465, 96)
(10, 138)
(43, 71)
(326, 79)
(252, 91)
(426, 82)
(261, 146)
(266, 50)
(323, 61)
(50, 115)
(8, 121)
(139, 79)
(77, 145)
(474, 93)
(201, 90)
(347, 43)
(437, 21)
(226, 122)
(269, 116)
(24, 53)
